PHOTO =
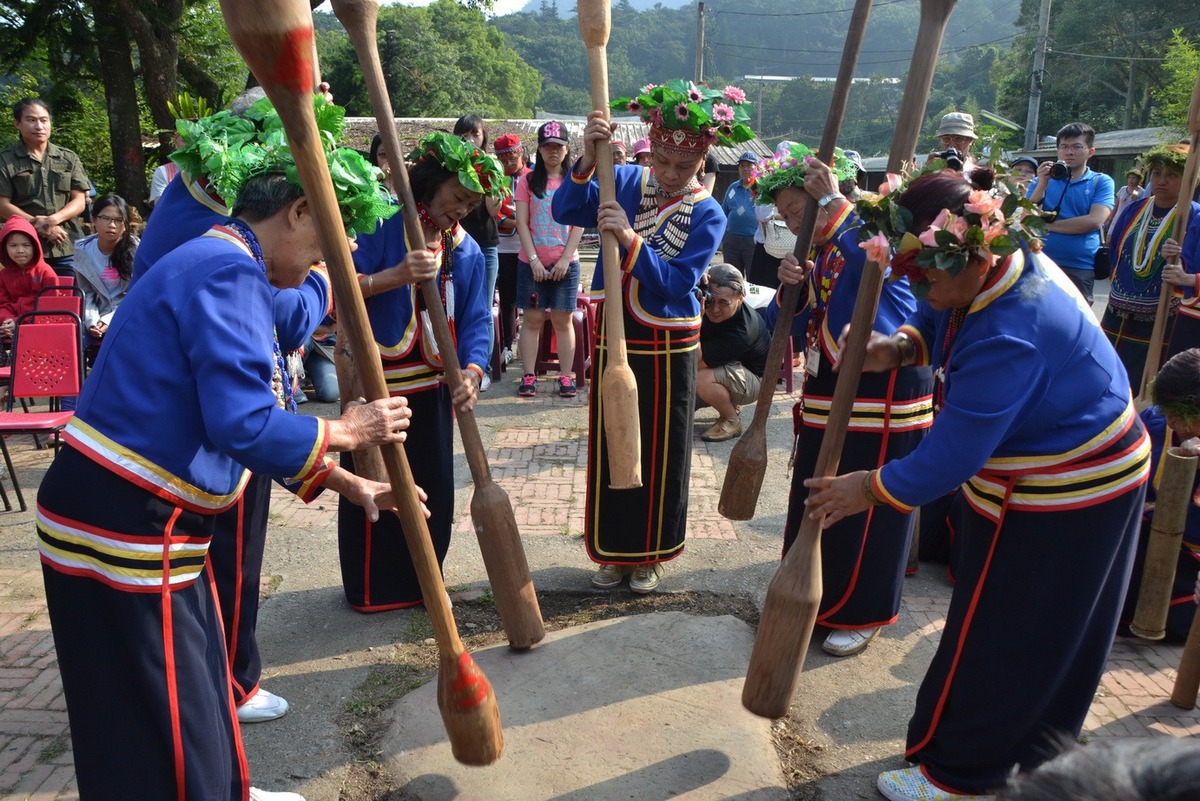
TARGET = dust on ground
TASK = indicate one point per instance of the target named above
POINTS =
(363, 722)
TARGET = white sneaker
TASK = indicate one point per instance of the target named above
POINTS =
(848, 642)
(261, 707)
(264, 795)
(506, 355)
(608, 576)
(646, 578)
(911, 785)
(486, 383)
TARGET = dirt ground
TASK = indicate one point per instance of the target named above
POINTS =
(364, 720)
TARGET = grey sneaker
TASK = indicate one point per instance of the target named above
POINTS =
(645, 578)
(608, 576)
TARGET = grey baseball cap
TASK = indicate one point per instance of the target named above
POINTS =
(728, 276)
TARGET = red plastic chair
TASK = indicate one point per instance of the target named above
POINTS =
(584, 320)
(59, 298)
(47, 363)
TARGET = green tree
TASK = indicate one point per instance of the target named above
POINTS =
(1181, 68)
(440, 61)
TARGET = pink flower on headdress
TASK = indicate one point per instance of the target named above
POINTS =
(648, 88)
(734, 95)
(993, 231)
(890, 185)
(634, 107)
(939, 223)
(722, 112)
(982, 203)
(694, 95)
(681, 111)
(656, 117)
(958, 226)
(878, 248)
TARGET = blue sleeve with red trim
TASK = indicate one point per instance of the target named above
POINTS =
(896, 301)
(472, 311)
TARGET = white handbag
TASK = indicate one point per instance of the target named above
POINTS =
(778, 240)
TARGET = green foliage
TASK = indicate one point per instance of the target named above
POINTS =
(440, 61)
(1181, 68)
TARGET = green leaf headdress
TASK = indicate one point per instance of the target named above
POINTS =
(690, 117)
(476, 170)
(992, 222)
(228, 150)
(786, 168)
(1171, 158)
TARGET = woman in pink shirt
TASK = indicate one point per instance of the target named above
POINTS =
(548, 267)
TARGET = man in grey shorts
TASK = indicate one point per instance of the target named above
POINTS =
(734, 341)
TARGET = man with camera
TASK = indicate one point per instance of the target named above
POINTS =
(734, 341)
(1080, 200)
(956, 136)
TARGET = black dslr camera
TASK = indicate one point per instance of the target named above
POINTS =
(1059, 170)
(953, 158)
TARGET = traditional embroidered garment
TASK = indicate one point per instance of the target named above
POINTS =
(377, 572)
(863, 556)
(164, 425)
(1184, 331)
(1136, 241)
(1039, 424)
(673, 245)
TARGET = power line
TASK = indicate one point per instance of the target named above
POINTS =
(806, 13)
(1112, 58)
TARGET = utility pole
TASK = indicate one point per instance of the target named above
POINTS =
(700, 43)
(1035, 80)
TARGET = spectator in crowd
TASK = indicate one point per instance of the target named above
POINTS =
(24, 274)
(1131, 191)
(641, 152)
(1080, 200)
(1023, 170)
(319, 365)
(163, 175)
(481, 225)
(957, 132)
(848, 186)
(511, 152)
(734, 340)
(738, 245)
(44, 184)
(104, 264)
(548, 276)
(620, 152)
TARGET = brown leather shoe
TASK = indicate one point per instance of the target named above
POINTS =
(723, 430)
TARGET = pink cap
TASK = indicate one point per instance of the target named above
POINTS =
(641, 146)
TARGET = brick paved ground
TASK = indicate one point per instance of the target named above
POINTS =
(35, 756)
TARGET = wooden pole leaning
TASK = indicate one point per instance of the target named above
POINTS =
(794, 593)
(1183, 209)
(275, 38)
(619, 392)
(1174, 498)
(1187, 680)
(491, 510)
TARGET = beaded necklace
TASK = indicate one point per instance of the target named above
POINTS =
(1146, 253)
(939, 375)
(445, 281)
(281, 383)
(668, 241)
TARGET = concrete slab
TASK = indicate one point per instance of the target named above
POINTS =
(645, 707)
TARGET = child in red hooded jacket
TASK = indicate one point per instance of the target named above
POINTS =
(25, 272)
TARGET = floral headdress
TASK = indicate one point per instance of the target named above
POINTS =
(992, 223)
(228, 150)
(786, 168)
(476, 170)
(1168, 157)
(690, 118)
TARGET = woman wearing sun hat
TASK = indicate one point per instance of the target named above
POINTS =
(449, 178)
(1037, 424)
(862, 557)
(668, 229)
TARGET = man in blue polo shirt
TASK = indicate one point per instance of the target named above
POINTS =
(1083, 200)
(738, 245)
